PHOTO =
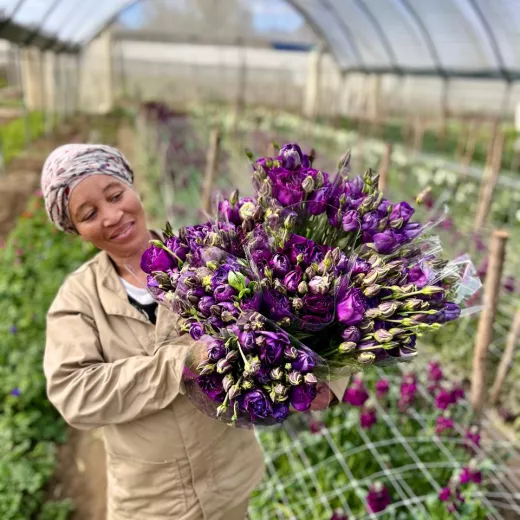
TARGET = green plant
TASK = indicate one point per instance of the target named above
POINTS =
(35, 260)
(13, 135)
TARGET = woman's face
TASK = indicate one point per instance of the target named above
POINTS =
(109, 214)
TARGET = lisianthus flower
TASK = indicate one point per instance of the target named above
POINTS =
(378, 498)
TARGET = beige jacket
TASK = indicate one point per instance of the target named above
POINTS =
(107, 366)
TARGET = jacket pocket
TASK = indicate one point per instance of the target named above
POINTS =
(142, 489)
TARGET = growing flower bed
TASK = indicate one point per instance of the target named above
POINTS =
(401, 447)
(33, 262)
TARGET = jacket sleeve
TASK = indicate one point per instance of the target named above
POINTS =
(89, 392)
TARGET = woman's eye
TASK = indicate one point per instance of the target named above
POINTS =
(90, 215)
(116, 197)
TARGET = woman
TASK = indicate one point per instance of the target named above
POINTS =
(112, 361)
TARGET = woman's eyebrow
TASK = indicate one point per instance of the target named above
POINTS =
(110, 185)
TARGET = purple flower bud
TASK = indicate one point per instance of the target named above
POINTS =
(196, 331)
(443, 423)
(356, 395)
(224, 292)
(370, 222)
(156, 259)
(298, 245)
(211, 385)
(411, 230)
(227, 382)
(294, 377)
(318, 200)
(319, 285)
(229, 212)
(385, 242)
(378, 498)
(382, 387)
(247, 341)
(216, 350)
(368, 418)
(310, 378)
(272, 350)
(417, 276)
(280, 412)
(223, 366)
(401, 214)
(257, 404)
(276, 374)
(351, 221)
(292, 279)
(205, 304)
(290, 352)
(304, 362)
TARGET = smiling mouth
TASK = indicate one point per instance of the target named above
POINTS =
(124, 230)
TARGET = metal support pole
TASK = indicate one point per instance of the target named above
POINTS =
(27, 127)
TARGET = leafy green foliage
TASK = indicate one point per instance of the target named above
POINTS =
(13, 135)
(33, 264)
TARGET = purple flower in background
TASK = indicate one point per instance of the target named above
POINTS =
(302, 396)
(316, 426)
(435, 373)
(216, 350)
(224, 293)
(287, 188)
(367, 418)
(156, 259)
(318, 200)
(211, 385)
(378, 498)
(15, 392)
(385, 242)
(350, 221)
(304, 362)
(13, 329)
(280, 265)
(205, 304)
(443, 424)
(408, 391)
(445, 494)
(469, 474)
(401, 214)
(271, 350)
(297, 246)
(293, 279)
(350, 308)
(338, 514)
(356, 395)
(257, 404)
(443, 399)
(473, 437)
(382, 387)
(196, 330)
(510, 284)
(280, 412)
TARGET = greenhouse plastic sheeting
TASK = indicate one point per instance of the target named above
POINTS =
(473, 38)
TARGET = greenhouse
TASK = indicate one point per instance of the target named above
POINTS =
(329, 193)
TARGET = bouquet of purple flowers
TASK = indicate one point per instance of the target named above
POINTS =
(313, 279)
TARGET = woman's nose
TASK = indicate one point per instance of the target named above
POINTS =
(112, 216)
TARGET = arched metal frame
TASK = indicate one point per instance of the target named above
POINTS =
(476, 20)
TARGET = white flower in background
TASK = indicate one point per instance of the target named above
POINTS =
(517, 215)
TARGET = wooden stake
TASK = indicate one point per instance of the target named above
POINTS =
(211, 168)
(488, 183)
(384, 167)
(485, 326)
(507, 358)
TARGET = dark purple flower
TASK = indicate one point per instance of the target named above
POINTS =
(473, 437)
(350, 308)
(354, 187)
(13, 329)
(435, 373)
(292, 157)
(450, 312)
(382, 209)
(292, 279)
(205, 304)
(280, 265)
(382, 388)
(378, 498)
(297, 246)
(351, 334)
(229, 212)
(196, 330)
(367, 418)
(224, 293)
(15, 392)
(360, 266)
(220, 276)
(280, 412)
(318, 304)
(216, 350)
(385, 242)
(277, 305)
(261, 256)
(350, 221)
(156, 259)
(401, 214)
(417, 276)
(271, 350)
(247, 341)
(318, 254)
(411, 230)
(305, 362)
(251, 303)
(178, 248)
(443, 424)
(286, 185)
(370, 222)
(443, 399)
(318, 200)
(229, 307)
(211, 385)
(215, 322)
(302, 396)
(257, 404)
(263, 376)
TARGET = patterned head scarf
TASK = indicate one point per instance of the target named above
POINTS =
(67, 166)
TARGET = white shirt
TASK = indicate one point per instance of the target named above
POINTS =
(139, 294)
